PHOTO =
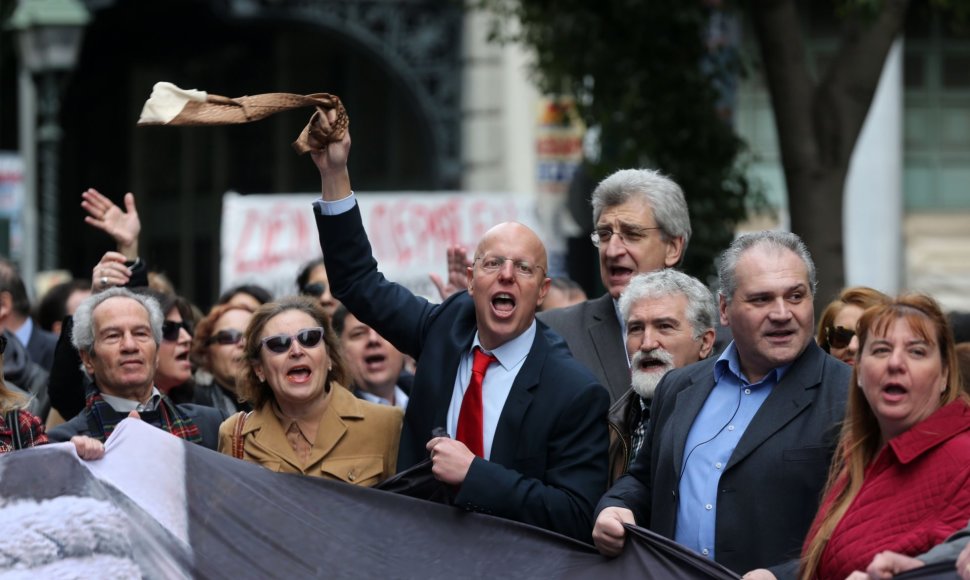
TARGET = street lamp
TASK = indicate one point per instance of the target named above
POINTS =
(49, 35)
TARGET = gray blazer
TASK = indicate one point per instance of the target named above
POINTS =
(770, 489)
(950, 549)
(40, 347)
(595, 338)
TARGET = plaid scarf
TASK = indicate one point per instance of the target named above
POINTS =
(29, 427)
(168, 417)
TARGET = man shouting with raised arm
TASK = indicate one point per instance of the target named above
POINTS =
(527, 423)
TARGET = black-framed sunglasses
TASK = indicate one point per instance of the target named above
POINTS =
(280, 343)
(3, 344)
(839, 337)
(315, 289)
(170, 329)
(225, 337)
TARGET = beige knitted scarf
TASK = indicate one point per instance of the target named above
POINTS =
(171, 105)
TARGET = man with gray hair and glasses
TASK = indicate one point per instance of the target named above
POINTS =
(117, 333)
(737, 449)
(669, 319)
(641, 225)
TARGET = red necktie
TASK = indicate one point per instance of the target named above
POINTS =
(470, 423)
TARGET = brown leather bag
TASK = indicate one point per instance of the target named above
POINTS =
(237, 436)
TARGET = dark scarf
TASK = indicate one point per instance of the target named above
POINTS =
(168, 417)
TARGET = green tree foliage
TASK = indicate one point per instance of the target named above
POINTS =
(641, 72)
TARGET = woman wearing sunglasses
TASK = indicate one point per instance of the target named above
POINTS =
(217, 349)
(304, 420)
(837, 325)
(174, 373)
(312, 281)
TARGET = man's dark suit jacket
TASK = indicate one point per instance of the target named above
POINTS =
(548, 458)
(40, 347)
(594, 336)
(770, 489)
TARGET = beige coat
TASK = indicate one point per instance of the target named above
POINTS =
(356, 442)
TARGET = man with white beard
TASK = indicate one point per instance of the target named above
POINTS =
(669, 324)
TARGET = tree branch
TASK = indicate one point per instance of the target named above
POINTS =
(776, 25)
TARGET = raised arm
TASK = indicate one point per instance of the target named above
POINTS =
(458, 264)
(123, 226)
(332, 165)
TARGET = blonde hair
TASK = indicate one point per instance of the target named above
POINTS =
(9, 400)
(861, 438)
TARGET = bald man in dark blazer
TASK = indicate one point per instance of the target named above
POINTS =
(544, 455)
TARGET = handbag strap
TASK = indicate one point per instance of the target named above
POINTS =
(13, 423)
(237, 436)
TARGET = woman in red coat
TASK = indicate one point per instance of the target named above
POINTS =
(901, 481)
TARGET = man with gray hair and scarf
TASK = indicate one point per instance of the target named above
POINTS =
(669, 318)
(117, 333)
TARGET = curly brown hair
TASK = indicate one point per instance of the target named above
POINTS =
(203, 332)
(250, 388)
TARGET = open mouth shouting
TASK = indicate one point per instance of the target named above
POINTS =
(375, 362)
(503, 304)
(894, 392)
(299, 374)
(655, 361)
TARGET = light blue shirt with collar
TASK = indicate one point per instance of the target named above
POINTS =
(23, 333)
(400, 398)
(496, 386)
(726, 414)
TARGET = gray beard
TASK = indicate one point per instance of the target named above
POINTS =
(645, 383)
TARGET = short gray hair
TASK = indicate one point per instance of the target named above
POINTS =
(83, 335)
(662, 194)
(728, 264)
(701, 310)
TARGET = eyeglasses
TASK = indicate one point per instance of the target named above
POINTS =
(521, 268)
(315, 289)
(280, 343)
(3, 343)
(839, 337)
(170, 329)
(225, 337)
(627, 235)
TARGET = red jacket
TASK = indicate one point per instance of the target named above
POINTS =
(915, 493)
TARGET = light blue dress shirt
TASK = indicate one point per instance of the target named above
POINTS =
(726, 414)
(23, 333)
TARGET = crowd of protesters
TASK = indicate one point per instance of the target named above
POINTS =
(794, 450)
